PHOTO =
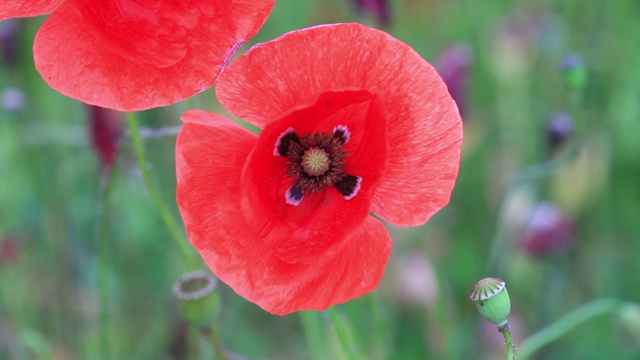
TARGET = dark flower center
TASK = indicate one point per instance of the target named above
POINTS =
(316, 161)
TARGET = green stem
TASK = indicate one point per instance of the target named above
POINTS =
(104, 255)
(535, 173)
(166, 216)
(343, 335)
(525, 176)
(212, 336)
(314, 334)
(508, 340)
(565, 324)
(380, 324)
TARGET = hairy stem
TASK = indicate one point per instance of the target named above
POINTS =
(165, 214)
(508, 340)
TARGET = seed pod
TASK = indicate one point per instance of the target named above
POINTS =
(491, 298)
(200, 304)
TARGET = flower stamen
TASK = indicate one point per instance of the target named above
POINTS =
(316, 161)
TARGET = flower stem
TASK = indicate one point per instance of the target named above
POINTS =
(212, 336)
(380, 324)
(343, 335)
(535, 173)
(104, 254)
(314, 334)
(508, 340)
(565, 324)
(525, 176)
(166, 216)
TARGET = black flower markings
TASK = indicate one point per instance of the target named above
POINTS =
(294, 196)
(341, 132)
(284, 141)
(316, 161)
(348, 186)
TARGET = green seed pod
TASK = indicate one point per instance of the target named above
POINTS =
(492, 300)
(199, 302)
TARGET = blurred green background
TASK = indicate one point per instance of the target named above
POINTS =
(550, 205)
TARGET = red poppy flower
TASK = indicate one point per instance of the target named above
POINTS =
(137, 54)
(353, 122)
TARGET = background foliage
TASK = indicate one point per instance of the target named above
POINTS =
(84, 277)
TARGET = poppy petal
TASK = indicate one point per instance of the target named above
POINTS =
(265, 182)
(211, 152)
(27, 8)
(157, 40)
(321, 221)
(425, 128)
(355, 270)
(155, 58)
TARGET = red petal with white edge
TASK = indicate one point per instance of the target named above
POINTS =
(156, 54)
(211, 152)
(323, 220)
(424, 125)
(27, 8)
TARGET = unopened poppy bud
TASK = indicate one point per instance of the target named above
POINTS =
(573, 72)
(8, 249)
(559, 129)
(378, 8)
(491, 298)
(549, 231)
(105, 127)
(453, 65)
(199, 303)
(12, 99)
(9, 41)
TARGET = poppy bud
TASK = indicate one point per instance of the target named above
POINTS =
(491, 299)
(104, 131)
(8, 249)
(549, 231)
(199, 302)
(559, 129)
(377, 8)
(573, 72)
(11, 99)
(453, 65)
(9, 41)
